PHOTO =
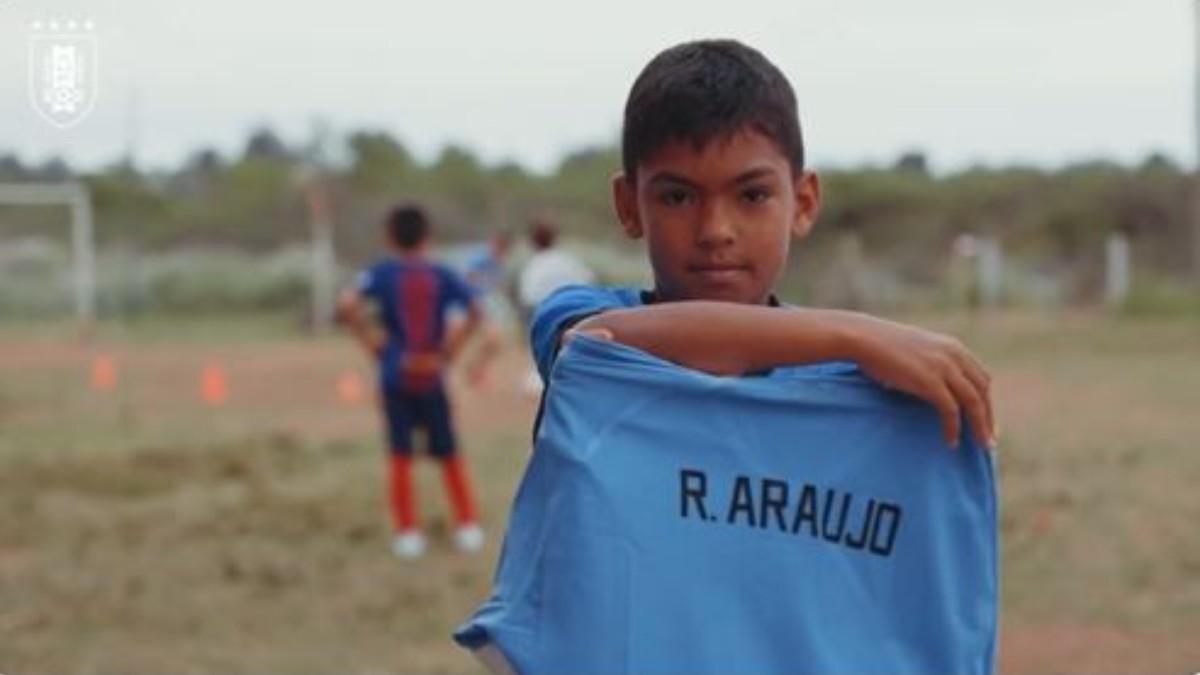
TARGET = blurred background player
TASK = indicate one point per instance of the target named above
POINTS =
(413, 295)
(548, 269)
(487, 273)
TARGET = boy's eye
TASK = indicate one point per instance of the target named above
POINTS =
(674, 197)
(756, 195)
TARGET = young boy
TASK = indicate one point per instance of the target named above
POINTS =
(413, 296)
(486, 272)
(714, 180)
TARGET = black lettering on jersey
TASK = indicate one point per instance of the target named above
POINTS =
(806, 510)
(774, 499)
(742, 502)
(891, 513)
(693, 486)
(824, 514)
(834, 535)
(864, 530)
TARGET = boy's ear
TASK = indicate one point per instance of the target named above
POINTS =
(624, 193)
(808, 203)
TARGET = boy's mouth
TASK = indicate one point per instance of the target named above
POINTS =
(718, 273)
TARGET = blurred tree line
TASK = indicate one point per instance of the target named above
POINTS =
(905, 216)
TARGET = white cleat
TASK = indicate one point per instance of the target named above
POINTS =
(409, 545)
(468, 538)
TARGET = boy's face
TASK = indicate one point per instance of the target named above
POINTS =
(719, 219)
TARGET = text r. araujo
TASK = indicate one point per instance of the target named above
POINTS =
(823, 514)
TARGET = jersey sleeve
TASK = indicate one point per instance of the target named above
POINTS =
(559, 312)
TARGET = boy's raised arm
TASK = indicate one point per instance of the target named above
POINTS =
(731, 339)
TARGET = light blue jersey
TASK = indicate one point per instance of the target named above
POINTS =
(671, 521)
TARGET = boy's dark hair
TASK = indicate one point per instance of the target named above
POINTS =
(701, 90)
(542, 234)
(407, 226)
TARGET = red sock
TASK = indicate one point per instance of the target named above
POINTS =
(401, 497)
(454, 474)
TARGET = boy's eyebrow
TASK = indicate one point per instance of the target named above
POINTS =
(668, 177)
(744, 177)
(753, 174)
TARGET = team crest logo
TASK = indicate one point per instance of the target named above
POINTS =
(63, 71)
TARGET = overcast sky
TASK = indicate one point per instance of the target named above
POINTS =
(1031, 81)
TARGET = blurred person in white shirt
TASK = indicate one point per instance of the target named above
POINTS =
(547, 270)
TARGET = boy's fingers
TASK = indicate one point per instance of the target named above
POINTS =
(993, 430)
(983, 388)
(973, 403)
(947, 407)
(982, 380)
(977, 365)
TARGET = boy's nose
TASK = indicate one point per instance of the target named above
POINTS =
(716, 227)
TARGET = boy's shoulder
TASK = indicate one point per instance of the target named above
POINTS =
(382, 264)
(569, 305)
(576, 298)
(369, 279)
(392, 263)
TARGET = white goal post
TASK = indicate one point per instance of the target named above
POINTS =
(76, 197)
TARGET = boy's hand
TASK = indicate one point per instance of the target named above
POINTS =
(374, 345)
(460, 333)
(931, 366)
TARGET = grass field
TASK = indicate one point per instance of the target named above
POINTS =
(144, 532)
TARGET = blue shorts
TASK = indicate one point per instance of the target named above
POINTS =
(429, 410)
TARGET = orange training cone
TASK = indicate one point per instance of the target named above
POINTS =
(214, 388)
(349, 389)
(104, 373)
